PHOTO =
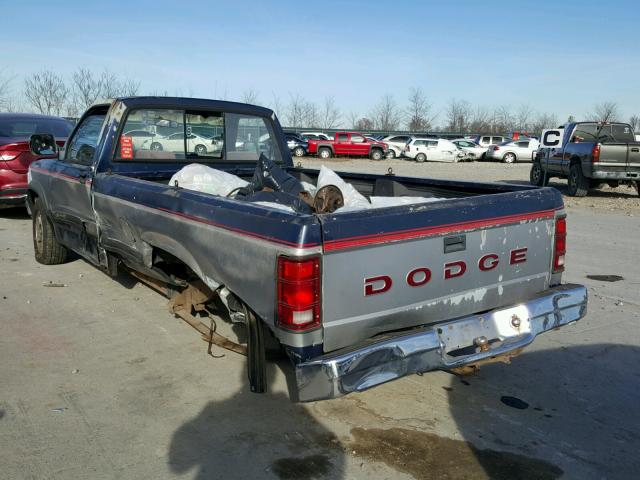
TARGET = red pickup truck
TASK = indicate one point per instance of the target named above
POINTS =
(350, 144)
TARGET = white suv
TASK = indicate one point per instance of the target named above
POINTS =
(396, 144)
(434, 150)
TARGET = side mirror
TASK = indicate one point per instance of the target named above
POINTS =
(43, 144)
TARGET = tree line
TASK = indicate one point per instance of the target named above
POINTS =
(50, 93)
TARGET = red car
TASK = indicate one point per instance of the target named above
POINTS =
(15, 158)
(350, 144)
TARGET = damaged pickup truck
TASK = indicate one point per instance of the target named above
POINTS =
(376, 278)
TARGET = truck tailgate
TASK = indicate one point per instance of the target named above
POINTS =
(620, 157)
(401, 267)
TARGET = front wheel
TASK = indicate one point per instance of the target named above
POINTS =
(391, 155)
(537, 176)
(156, 147)
(47, 249)
(509, 158)
(421, 157)
(200, 150)
(298, 152)
(578, 183)
(376, 154)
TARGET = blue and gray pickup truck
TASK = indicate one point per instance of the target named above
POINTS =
(355, 298)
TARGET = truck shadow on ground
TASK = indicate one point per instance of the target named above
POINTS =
(252, 435)
(575, 407)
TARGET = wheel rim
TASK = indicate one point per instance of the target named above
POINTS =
(39, 232)
(420, 158)
(509, 158)
(377, 155)
(324, 154)
(391, 155)
(298, 152)
(535, 173)
(156, 147)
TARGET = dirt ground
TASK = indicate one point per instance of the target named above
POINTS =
(623, 200)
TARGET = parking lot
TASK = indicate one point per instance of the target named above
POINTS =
(99, 380)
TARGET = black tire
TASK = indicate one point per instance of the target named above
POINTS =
(377, 154)
(47, 249)
(537, 176)
(509, 158)
(421, 157)
(156, 146)
(200, 150)
(638, 188)
(578, 183)
(325, 152)
(390, 155)
(298, 152)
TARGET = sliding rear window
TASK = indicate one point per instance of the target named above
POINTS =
(170, 135)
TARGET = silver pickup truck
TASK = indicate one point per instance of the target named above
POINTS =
(355, 298)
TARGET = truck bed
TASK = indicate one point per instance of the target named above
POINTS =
(485, 219)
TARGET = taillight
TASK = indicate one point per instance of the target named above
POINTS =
(496, 148)
(13, 150)
(560, 246)
(595, 153)
(298, 293)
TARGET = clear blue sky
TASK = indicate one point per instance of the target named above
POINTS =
(557, 56)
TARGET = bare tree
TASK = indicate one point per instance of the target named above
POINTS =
(330, 114)
(523, 117)
(458, 114)
(310, 115)
(294, 114)
(352, 119)
(363, 124)
(386, 115)
(418, 111)
(112, 86)
(250, 96)
(85, 88)
(634, 121)
(46, 92)
(605, 112)
(503, 120)
(5, 100)
(276, 105)
(543, 121)
(480, 120)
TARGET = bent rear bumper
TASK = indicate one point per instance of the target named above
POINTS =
(444, 346)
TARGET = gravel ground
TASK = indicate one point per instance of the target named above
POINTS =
(623, 200)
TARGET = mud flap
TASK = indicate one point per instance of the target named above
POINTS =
(256, 359)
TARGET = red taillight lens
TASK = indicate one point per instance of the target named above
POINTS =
(299, 293)
(595, 153)
(560, 247)
(13, 150)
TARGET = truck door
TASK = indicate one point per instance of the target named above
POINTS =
(69, 196)
(359, 146)
(342, 145)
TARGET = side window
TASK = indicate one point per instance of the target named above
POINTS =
(497, 140)
(82, 147)
(247, 137)
(164, 138)
(343, 137)
(357, 138)
(432, 143)
(523, 144)
(485, 140)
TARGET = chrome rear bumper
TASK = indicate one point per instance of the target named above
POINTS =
(445, 346)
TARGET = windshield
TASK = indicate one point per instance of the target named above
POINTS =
(616, 132)
(25, 127)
